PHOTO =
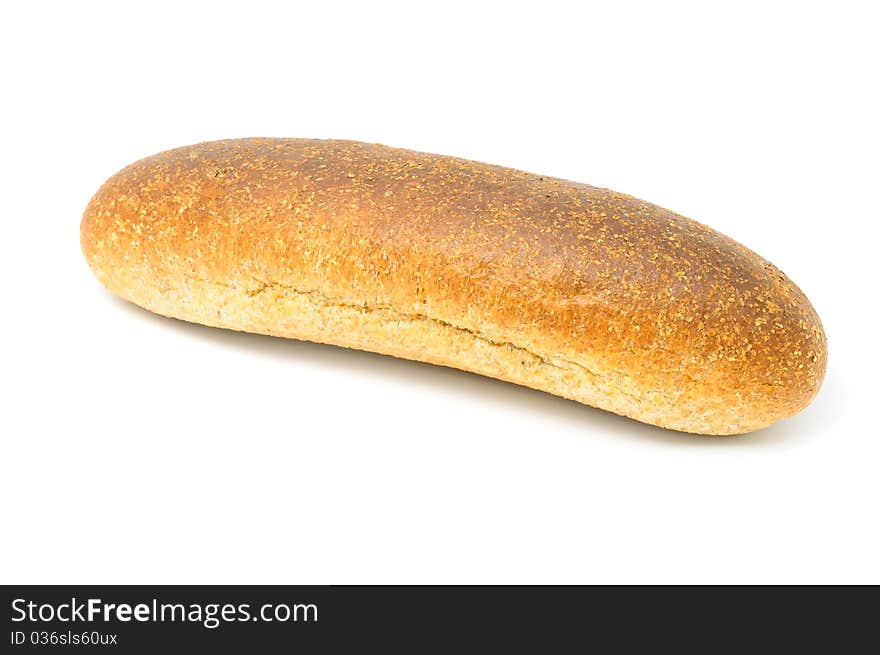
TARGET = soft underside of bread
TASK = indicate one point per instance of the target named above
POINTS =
(284, 311)
(317, 241)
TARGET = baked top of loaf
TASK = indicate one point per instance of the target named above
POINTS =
(698, 328)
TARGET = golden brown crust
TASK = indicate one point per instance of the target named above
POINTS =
(576, 290)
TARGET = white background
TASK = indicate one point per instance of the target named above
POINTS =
(138, 449)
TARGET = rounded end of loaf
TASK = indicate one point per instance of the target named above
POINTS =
(767, 365)
(99, 237)
(91, 233)
(790, 388)
(803, 358)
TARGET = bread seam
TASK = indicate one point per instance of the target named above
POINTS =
(545, 359)
(321, 299)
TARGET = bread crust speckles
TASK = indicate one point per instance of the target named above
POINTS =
(579, 291)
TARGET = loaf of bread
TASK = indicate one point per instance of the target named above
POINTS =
(571, 289)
